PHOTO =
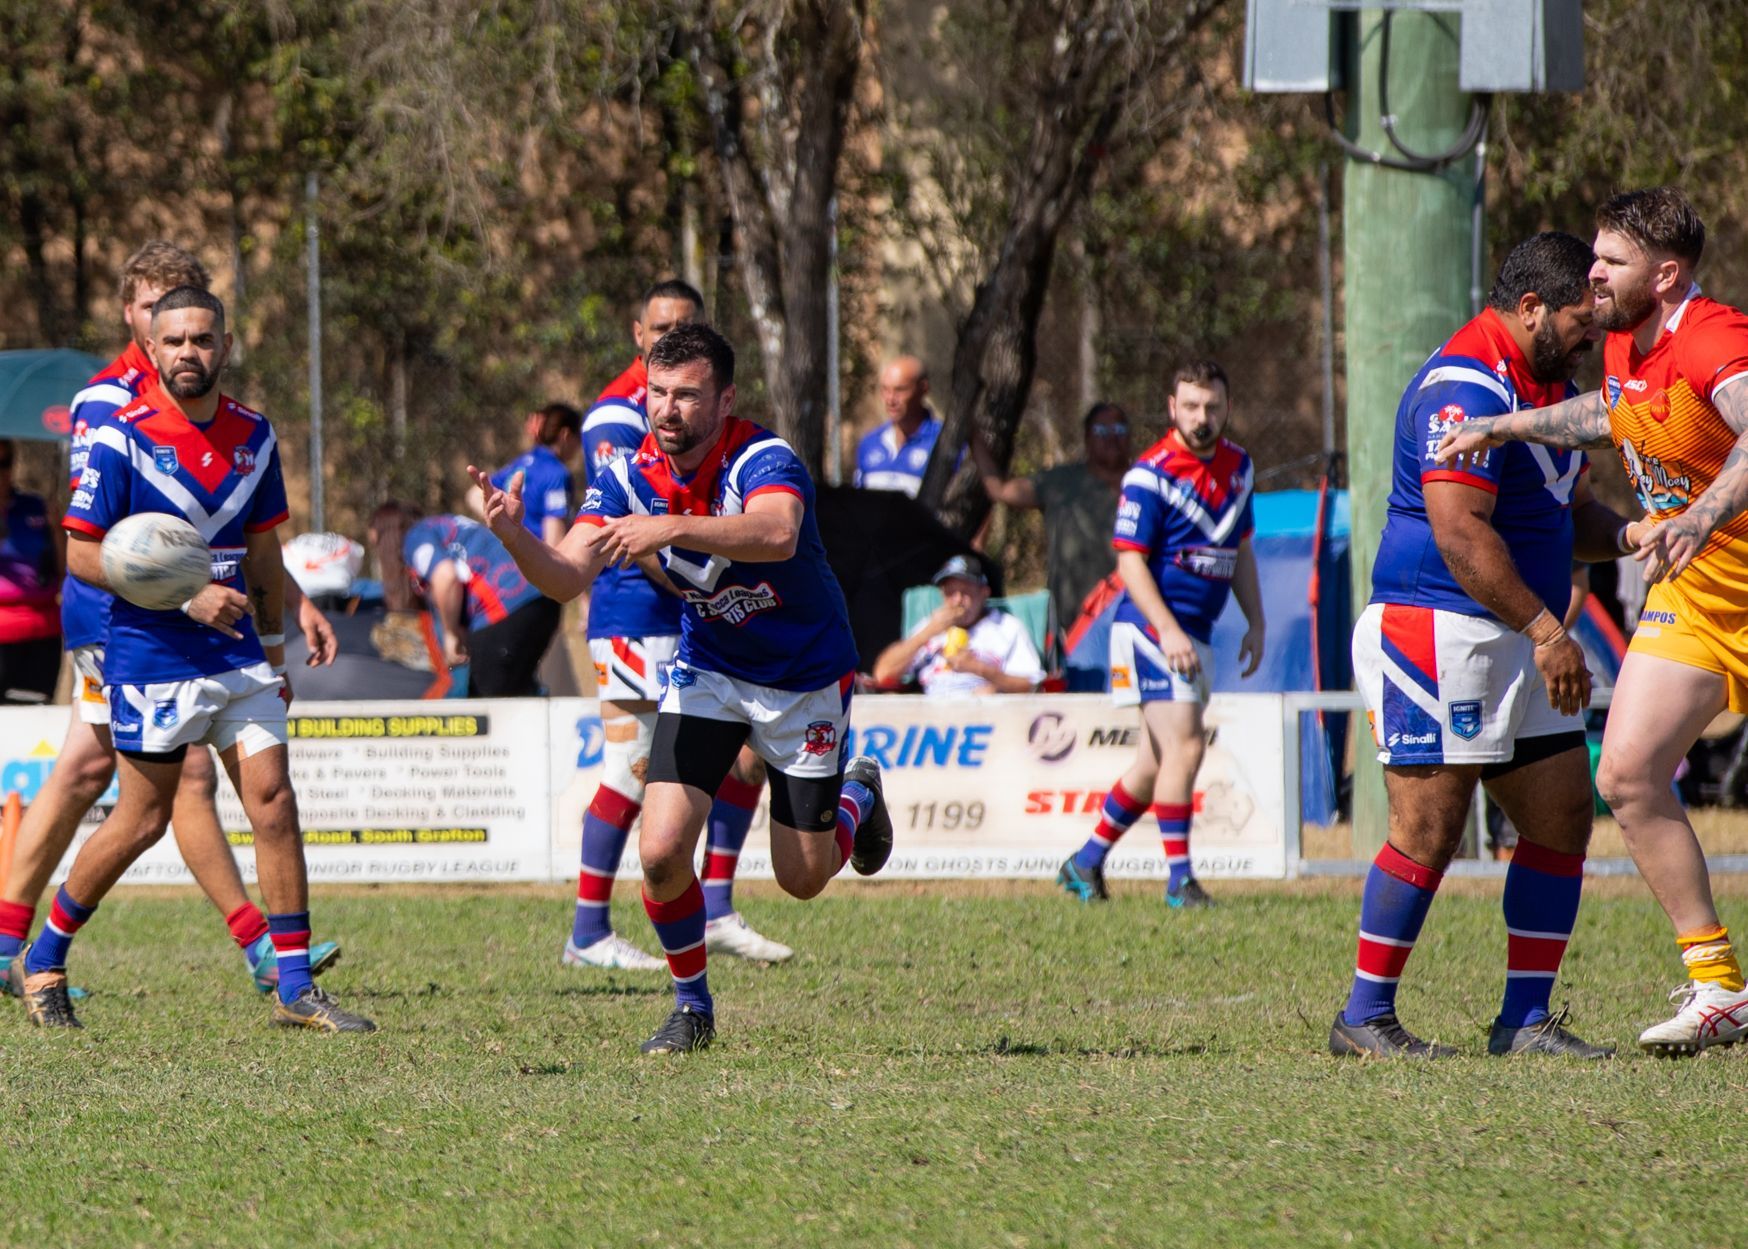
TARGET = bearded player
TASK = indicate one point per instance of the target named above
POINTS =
(1675, 404)
(1467, 672)
(766, 656)
(199, 675)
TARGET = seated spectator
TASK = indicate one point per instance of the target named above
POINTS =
(964, 647)
(896, 455)
(30, 577)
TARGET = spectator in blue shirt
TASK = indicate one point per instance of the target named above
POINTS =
(554, 435)
(896, 455)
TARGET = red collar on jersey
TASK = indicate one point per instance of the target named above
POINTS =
(1488, 339)
(209, 453)
(133, 368)
(693, 496)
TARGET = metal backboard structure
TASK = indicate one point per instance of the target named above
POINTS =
(1507, 45)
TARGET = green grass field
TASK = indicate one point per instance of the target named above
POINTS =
(941, 1065)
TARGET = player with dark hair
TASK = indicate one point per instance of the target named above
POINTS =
(766, 656)
(1467, 671)
(634, 627)
(1675, 403)
(1183, 545)
(86, 763)
(199, 675)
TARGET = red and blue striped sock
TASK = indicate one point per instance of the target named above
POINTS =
(66, 917)
(731, 818)
(854, 801)
(679, 927)
(606, 825)
(1398, 893)
(1542, 890)
(1118, 816)
(15, 921)
(1174, 834)
(249, 930)
(291, 947)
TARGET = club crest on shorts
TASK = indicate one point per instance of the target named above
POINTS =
(1466, 719)
(821, 738)
(165, 715)
(165, 461)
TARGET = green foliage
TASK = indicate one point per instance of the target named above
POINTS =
(943, 1064)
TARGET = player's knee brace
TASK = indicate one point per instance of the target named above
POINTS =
(625, 753)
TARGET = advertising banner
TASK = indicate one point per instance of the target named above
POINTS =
(482, 791)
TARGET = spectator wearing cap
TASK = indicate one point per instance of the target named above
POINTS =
(896, 455)
(965, 646)
(1079, 501)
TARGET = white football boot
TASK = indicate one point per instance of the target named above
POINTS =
(731, 934)
(613, 952)
(1706, 1014)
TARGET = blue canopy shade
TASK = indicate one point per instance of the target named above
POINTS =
(37, 388)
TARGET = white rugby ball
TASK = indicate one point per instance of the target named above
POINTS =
(155, 560)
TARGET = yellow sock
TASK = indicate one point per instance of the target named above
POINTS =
(1710, 956)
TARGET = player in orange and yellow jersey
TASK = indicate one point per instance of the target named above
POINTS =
(1675, 404)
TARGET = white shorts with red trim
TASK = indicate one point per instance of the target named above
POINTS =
(633, 670)
(801, 734)
(1440, 687)
(242, 707)
(89, 703)
(1139, 674)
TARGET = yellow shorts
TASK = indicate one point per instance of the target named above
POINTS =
(1671, 627)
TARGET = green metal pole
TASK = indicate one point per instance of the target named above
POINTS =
(1406, 240)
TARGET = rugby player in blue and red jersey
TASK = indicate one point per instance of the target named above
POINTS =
(1183, 545)
(86, 762)
(766, 656)
(1465, 667)
(634, 628)
(489, 617)
(196, 676)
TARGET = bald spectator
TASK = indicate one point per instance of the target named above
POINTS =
(1079, 501)
(896, 455)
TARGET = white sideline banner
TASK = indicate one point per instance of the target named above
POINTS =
(454, 791)
(1005, 786)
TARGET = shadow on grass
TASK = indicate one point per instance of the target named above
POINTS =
(1003, 1047)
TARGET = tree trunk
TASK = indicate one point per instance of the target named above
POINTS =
(779, 190)
(1087, 88)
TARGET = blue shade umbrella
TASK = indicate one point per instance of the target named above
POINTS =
(36, 389)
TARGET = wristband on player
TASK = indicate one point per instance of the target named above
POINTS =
(1620, 539)
(272, 639)
(278, 669)
(184, 608)
(1535, 625)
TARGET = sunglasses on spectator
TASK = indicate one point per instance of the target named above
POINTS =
(1102, 430)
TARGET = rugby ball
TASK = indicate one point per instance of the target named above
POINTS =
(155, 560)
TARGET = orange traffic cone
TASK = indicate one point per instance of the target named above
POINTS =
(10, 818)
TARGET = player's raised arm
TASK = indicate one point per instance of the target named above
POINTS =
(561, 573)
(1581, 422)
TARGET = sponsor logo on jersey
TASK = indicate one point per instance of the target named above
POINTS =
(1611, 387)
(735, 605)
(1636, 383)
(81, 500)
(1410, 739)
(605, 453)
(89, 479)
(1660, 406)
(1466, 719)
(243, 460)
(819, 738)
(592, 499)
(1658, 617)
(165, 461)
